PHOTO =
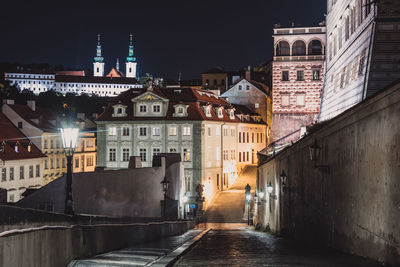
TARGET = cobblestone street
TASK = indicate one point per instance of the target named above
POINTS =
(236, 245)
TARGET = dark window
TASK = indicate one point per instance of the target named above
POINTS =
(299, 48)
(215, 82)
(300, 75)
(283, 49)
(316, 75)
(20, 125)
(223, 82)
(315, 48)
(285, 75)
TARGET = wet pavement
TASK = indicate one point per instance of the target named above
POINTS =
(239, 245)
(147, 254)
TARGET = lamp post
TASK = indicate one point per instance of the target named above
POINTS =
(315, 151)
(165, 184)
(270, 189)
(69, 136)
(248, 201)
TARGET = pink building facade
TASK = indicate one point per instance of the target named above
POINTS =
(297, 80)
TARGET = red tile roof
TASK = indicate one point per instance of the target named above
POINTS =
(195, 99)
(38, 118)
(10, 137)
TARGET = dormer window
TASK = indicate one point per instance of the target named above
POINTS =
(157, 108)
(232, 114)
(119, 110)
(143, 108)
(29, 147)
(208, 111)
(220, 115)
(180, 110)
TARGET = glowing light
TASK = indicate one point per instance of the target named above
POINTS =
(184, 199)
(69, 137)
(248, 197)
(208, 190)
(270, 188)
(261, 193)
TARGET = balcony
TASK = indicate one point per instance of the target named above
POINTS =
(299, 58)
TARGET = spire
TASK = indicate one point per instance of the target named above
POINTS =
(130, 57)
(98, 57)
(117, 65)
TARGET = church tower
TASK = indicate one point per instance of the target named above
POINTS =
(98, 64)
(131, 62)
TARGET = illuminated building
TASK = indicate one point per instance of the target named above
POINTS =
(362, 52)
(42, 128)
(298, 68)
(21, 162)
(112, 84)
(199, 125)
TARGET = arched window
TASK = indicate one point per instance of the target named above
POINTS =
(283, 49)
(315, 48)
(299, 48)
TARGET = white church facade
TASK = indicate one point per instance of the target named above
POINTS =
(77, 82)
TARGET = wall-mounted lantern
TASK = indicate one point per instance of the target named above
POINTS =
(261, 194)
(270, 190)
(283, 178)
(315, 151)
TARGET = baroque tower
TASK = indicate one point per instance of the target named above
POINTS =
(98, 64)
(131, 62)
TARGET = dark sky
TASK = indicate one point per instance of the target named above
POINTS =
(170, 36)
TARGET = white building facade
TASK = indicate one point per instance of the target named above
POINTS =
(362, 51)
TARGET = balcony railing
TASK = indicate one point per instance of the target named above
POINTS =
(300, 58)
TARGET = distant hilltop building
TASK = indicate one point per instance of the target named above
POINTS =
(363, 52)
(112, 84)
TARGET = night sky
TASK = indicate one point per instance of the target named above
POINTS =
(169, 36)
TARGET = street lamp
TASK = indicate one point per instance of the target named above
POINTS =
(69, 136)
(248, 200)
(164, 185)
(315, 151)
(283, 177)
(261, 194)
(270, 189)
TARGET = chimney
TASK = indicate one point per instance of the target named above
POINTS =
(248, 73)
(31, 104)
(81, 116)
(8, 101)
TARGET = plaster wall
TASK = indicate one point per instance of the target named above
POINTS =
(351, 201)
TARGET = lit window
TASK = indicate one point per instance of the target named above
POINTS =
(112, 154)
(142, 131)
(156, 131)
(76, 162)
(89, 161)
(125, 154)
(186, 130)
(172, 131)
(112, 131)
(186, 154)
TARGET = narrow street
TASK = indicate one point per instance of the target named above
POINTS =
(228, 206)
(235, 245)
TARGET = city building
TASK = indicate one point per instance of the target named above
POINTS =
(255, 96)
(363, 50)
(21, 162)
(214, 138)
(78, 82)
(297, 80)
(42, 128)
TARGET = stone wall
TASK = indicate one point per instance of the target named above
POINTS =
(351, 200)
(57, 242)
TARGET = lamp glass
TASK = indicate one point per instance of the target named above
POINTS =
(315, 150)
(248, 197)
(261, 193)
(270, 188)
(69, 137)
